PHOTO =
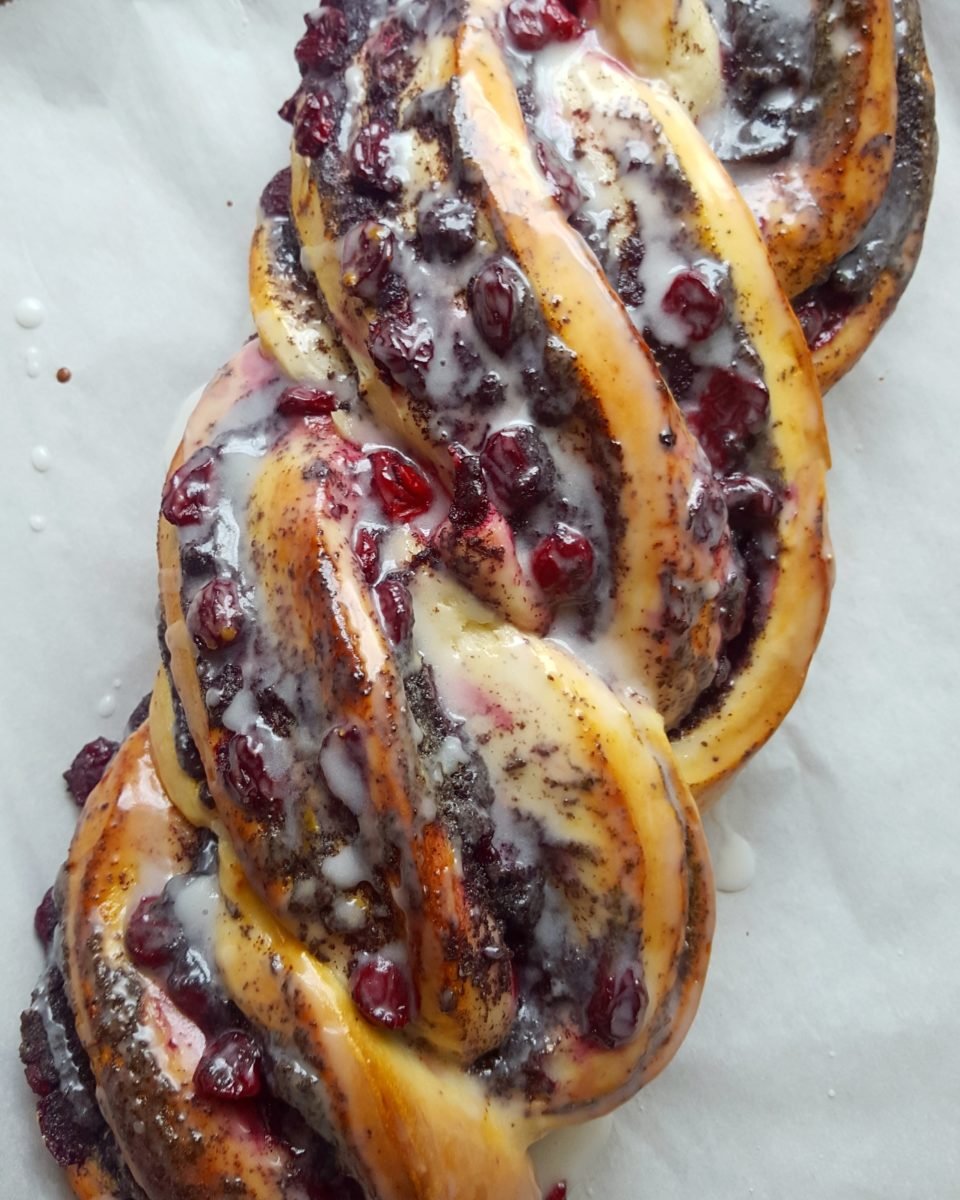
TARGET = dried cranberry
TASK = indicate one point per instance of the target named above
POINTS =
(366, 257)
(302, 400)
(39, 1066)
(403, 347)
(380, 991)
(275, 197)
(566, 190)
(519, 466)
(366, 546)
(396, 609)
(288, 109)
(401, 487)
(498, 293)
(751, 496)
(679, 603)
(707, 512)
(214, 618)
(247, 775)
(470, 504)
(821, 311)
(46, 918)
(617, 1007)
(558, 1191)
(533, 24)
(812, 318)
(153, 935)
(87, 769)
(731, 409)
(390, 64)
(323, 48)
(190, 986)
(369, 158)
(694, 302)
(187, 493)
(70, 1135)
(448, 229)
(314, 124)
(230, 1068)
(562, 563)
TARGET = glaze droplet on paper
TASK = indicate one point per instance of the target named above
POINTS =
(38, 523)
(571, 1153)
(734, 860)
(31, 360)
(107, 706)
(29, 313)
(40, 458)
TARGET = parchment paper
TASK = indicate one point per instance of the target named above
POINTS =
(135, 136)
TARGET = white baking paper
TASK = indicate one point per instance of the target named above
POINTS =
(135, 136)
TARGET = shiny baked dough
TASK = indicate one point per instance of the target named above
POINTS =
(435, 1122)
(764, 690)
(412, 1111)
(641, 814)
(873, 276)
(672, 40)
(812, 205)
(621, 379)
(846, 207)
(432, 1124)
(142, 1049)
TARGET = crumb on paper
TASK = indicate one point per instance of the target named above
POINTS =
(64, 375)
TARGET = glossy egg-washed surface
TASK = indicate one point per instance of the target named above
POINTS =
(823, 112)
(500, 547)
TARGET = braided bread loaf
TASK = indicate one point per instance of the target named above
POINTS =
(482, 569)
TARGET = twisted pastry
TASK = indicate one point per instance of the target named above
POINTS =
(462, 895)
(823, 114)
(501, 545)
(595, 161)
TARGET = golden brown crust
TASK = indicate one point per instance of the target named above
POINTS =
(843, 176)
(763, 691)
(843, 212)
(710, 750)
(143, 1050)
(427, 1113)
(289, 575)
(419, 1112)
(867, 284)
